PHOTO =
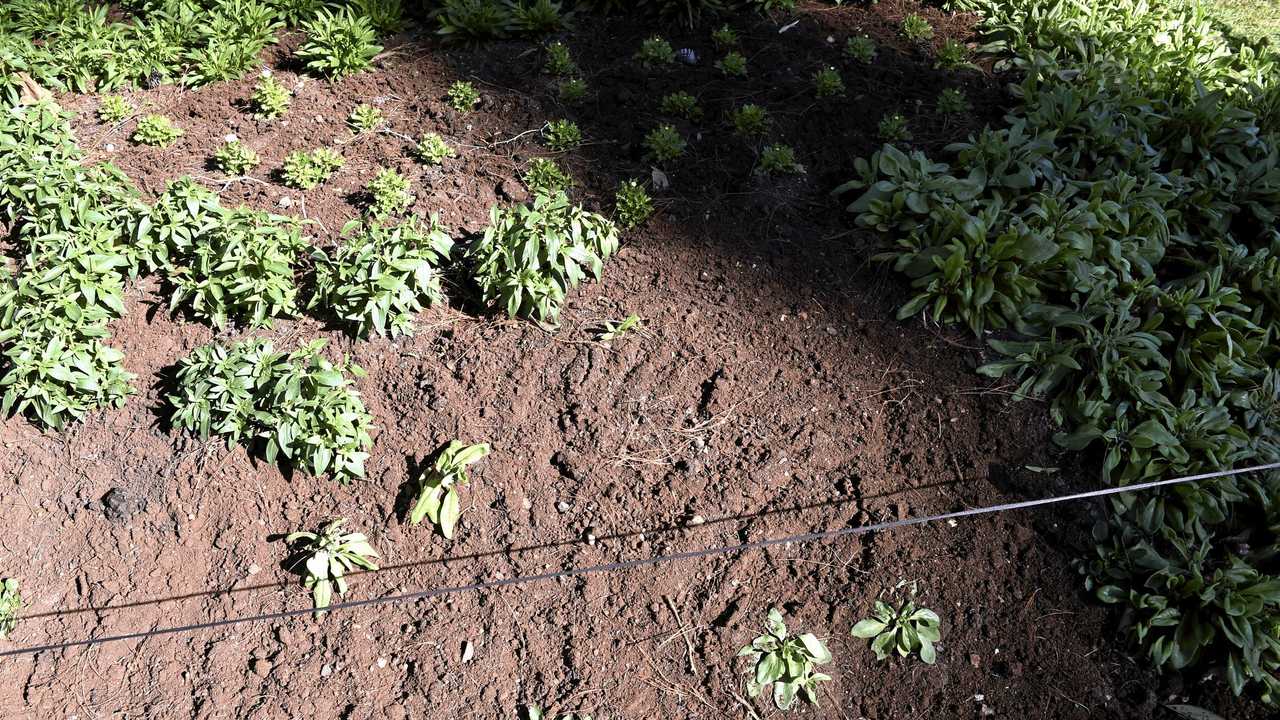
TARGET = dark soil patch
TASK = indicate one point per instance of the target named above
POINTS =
(771, 393)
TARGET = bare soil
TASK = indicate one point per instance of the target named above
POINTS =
(770, 393)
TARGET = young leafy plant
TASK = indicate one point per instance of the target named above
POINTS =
(733, 64)
(306, 170)
(905, 630)
(559, 61)
(474, 20)
(433, 150)
(787, 662)
(531, 256)
(779, 160)
(952, 55)
(235, 158)
(655, 52)
(617, 329)
(389, 193)
(572, 90)
(156, 130)
(893, 128)
(632, 204)
(540, 17)
(269, 99)
(438, 499)
(10, 607)
(329, 555)
(664, 143)
(114, 109)
(916, 29)
(682, 105)
(724, 37)
(543, 175)
(827, 83)
(339, 43)
(952, 101)
(365, 119)
(463, 96)
(562, 135)
(861, 48)
(751, 120)
(381, 276)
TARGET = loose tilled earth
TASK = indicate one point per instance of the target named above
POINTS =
(770, 393)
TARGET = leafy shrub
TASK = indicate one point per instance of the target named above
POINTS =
(226, 264)
(365, 118)
(562, 135)
(269, 99)
(904, 629)
(733, 64)
(156, 130)
(860, 48)
(474, 20)
(114, 109)
(664, 143)
(438, 499)
(779, 160)
(463, 96)
(235, 158)
(540, 17)
(339, 43)
(893, 128)
(952, 101)
(724, 37)
(543, 175)
(573, 90)
(10, 606)
(389, 192)
(559, 61)
(787, 662)
(827, 83)
(916, 28)
(750, 120)
(381, 276)
(386, 16)
(433, 150)
(632, 205)
(306, 170)
(530, 257)
(328, 556)
(655, 51)
(953, 54)
(682, 105)
(297, 405)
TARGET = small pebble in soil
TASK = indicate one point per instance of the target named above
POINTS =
(254, 569)
(697, 520)
(326, 671)
(562, 506)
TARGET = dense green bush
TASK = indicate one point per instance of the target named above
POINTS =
(1120, 228)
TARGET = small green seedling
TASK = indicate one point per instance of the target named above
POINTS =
(114, 109)
(664, 143)
(433, 150)
(952, 101)
(779, 160)
(751, 120)
(365, 119)
(861, 48)
(463, 96)
(906, 629)
(389, 191)
(952, 55)
(573, 90)
(655, 51)
(682, 105)
(827, 83)
(724, 36)
(559, 61)
(10, 606)
(733, 64)
(330, 555)
(789, 663)
(305, 170)
(235, 158)
(615, 330)
(562, 135)
(438, 498)
(270, 99)
(916, 29)
(893, 128)
(543, 175)
(156, 130)
(633, 205)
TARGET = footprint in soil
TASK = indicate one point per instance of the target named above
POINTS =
(119, 505)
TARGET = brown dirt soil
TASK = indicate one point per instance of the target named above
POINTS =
(770, 393)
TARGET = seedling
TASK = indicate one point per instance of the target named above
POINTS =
(540, 17)
(338, 43)
(827, 83)
(860, 48)
(562, 135)
(724, 37)
(463, 96)
(389, 191)
(952, 101)
(114, 109)
(438, 499)
(433, 150)
(543, 175)
(751, 120)
(615, 330)
(10, 606)
(916, 29)
(306, 170)
(573, 91)
(664, 143)
(779, 160)
(789, 663)
(365, 119)
(474, 20)
(632, 204)
(559, 61)
(156, 130)
(329, 556)
(270, 99)
(682, 105)
(235, 158)
(906, 630)
(952, 55)
(655, 52)
(893, 128)
(733, 64)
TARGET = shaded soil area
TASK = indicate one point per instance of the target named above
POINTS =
(770, 393)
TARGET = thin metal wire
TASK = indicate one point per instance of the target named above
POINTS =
(641, 562)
